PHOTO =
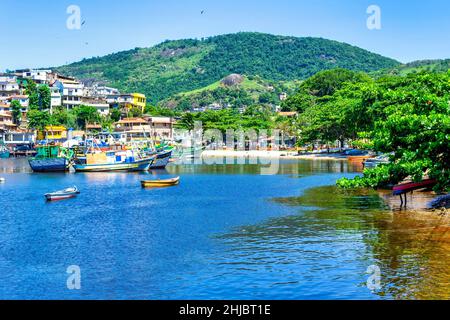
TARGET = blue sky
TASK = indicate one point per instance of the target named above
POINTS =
(34, 33)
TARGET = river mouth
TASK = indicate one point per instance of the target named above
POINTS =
(226, 232)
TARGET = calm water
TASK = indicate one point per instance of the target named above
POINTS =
(225, 232)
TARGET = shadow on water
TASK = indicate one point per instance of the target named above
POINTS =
(336, 228)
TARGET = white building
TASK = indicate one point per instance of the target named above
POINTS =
(8, 86)
(38, 76)
(100, 104)
(99, 91)
(71, 90)
(22, 99)
(161, 127)
(55, 98)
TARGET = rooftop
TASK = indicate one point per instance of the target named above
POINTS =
(132, 120)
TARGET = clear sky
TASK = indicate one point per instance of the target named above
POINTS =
(34, 32)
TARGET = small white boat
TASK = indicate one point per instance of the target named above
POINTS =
(374, 162)
(2, 180)
(62, 194)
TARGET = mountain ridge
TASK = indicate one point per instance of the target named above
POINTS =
(176, 66)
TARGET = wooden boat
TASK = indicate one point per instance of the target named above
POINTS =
(162, 159)
(374, 162)
(359, 159)
(62, 194)
(440, 202)
(113, 161)
(160, 183)
(411, 186)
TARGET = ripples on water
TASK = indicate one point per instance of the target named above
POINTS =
(225, 232)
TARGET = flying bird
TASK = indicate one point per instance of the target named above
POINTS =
(84, 21)
(202, 12)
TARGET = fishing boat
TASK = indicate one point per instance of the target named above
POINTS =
(440, 202)
(359, 159)
(62, 194)
(113, 161)
(4, 152)
(162, 159)
(160, 183)
(411, 186)
(375, 162)
(51, 158)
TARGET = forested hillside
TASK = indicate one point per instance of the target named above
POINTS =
(184, 65)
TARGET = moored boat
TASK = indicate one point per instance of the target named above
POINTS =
(374, 162)
(51, 159)
(162, 159)
(359, 159)
(160, 183)
(113, 161)
(411, 186)
(62, 194)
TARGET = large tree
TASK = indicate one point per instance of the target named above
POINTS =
(44, 97)
(33, 95)
(85, 115)
(16, 110)
(38, 119)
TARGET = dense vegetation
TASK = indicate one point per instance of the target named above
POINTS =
(252, 90)
(406, 116)
(178, 66)
(434, 66)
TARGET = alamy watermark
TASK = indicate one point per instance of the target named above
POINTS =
(73, 22)
(374, 281)
(74, 278)
(230, 147)
(374, 19)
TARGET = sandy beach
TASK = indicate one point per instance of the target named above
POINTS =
(272, 154)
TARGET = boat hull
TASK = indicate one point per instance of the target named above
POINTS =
(358, 158)
(62, 197)
(160, 183)
(141, 165)
(162, 160)
(411, 186)
(49, 165)
(4, 155)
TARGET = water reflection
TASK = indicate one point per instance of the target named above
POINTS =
(337, 228)
(249, 167)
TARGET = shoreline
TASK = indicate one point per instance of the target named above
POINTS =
(417, 208)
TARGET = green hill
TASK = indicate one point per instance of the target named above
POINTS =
(246, 91)
(184, 65)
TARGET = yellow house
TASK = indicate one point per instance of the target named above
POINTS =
(127, 100)
(139, 100)
(52, 133)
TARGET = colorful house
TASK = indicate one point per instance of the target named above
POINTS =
(53, 133)
(127, 101)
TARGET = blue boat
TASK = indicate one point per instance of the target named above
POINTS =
(51, 159)
(112, 161)
(162, 159)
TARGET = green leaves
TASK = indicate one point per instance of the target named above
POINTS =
(16, 110)
(413, 122)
